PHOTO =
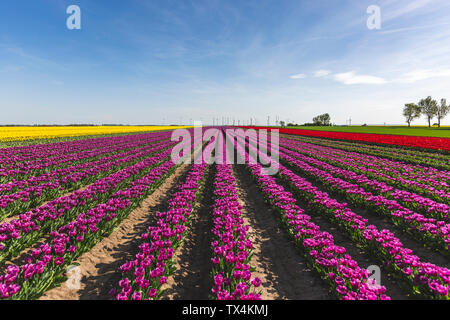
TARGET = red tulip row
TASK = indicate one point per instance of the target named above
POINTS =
(426, 180)
(398, 140)
(403, 155)
(412, 201)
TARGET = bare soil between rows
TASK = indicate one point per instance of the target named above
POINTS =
(284, 272)
(363, 258)
(100, 267)
(191, 280)
(425, 253)
(277, 262)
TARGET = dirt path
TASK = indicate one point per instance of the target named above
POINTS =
(191, 280)
(100, 266)
(282, 269)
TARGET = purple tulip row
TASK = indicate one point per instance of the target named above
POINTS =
(41, 152)
(63, 174)
(396, 168)
(424, 279)
(11, 204)
(231, 246)
(404, 198)
(48, 261)
(430, 182)
(428, 230)
(43, 270)
(145, 275)
(414, 157)
(30, 226)
(44, 162)
(347, 280)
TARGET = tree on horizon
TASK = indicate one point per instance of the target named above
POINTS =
(429, 108)
(411, 111)
(442, 110)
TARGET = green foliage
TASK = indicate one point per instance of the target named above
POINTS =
(429, 108)
(411, 111)
(322, 120)
(442, 110)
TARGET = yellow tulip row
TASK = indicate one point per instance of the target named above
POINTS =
(33, 133)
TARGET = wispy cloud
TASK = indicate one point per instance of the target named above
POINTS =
(403, 9)
(298, 76)
(418, 75)
(351, 77)
(321, 73)
(28, 58)
(413, 28)
(225, 59)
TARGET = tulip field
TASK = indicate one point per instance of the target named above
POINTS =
(433, 143)
(25, 135)
(109, 215)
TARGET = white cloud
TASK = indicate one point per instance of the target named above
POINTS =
(298, 76)
(403, 9)
(418, 75)
(412, 28)
(321, 73)
(350, 78)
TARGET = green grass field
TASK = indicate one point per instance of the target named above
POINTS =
(443, 132)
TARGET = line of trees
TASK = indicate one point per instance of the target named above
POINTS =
(428, 107)
(322, 120)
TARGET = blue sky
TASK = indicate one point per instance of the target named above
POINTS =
(150, 62)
